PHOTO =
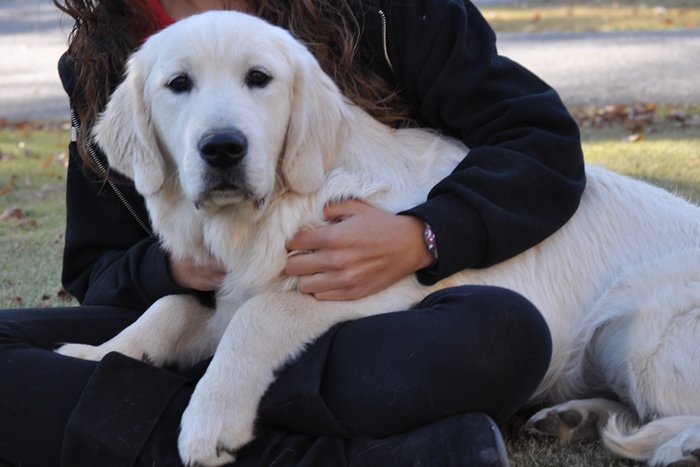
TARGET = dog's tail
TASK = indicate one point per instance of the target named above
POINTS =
(624, 437)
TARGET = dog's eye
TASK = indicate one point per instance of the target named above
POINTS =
(180, 83)
(257, 78)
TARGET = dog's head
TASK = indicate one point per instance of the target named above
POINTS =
(234, 106)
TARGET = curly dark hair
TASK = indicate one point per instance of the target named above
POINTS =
(105, 32)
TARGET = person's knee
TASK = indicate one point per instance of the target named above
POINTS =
(513, 323)
(503, 314)
(525, 326)
(499, 348)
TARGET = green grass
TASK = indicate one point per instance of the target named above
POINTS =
(665, 150)
(592, 15)
(32, 180)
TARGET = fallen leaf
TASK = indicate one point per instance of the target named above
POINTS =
(635, 137)
(47, 162)
(12, 213)
(8, 188)
(635, 117)
(63, 294)
(28, 224)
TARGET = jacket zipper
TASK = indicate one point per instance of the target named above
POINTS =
(385, 41)
(75, 128)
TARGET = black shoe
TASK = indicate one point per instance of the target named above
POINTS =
(459, 441)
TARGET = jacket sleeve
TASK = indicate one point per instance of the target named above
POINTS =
(524, 174)
(109, 258)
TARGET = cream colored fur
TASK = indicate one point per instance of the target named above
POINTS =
(619, 285)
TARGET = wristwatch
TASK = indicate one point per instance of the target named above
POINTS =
(429, 238)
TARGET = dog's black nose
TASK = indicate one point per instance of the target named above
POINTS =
(223, 149)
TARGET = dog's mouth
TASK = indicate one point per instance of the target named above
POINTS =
(226, 194)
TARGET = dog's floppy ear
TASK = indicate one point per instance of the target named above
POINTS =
(314, 133)
(126, 134)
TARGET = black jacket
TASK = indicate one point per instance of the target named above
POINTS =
(521, 181)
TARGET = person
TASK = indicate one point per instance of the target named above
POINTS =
(424, 386)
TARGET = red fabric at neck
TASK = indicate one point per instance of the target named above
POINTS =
(159, 15)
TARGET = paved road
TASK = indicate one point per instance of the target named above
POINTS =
(31, 41)
(593, 68)
(609, 68)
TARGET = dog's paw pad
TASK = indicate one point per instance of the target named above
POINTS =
(571, 418)
(570, 426)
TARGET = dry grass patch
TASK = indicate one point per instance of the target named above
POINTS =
(579, 16)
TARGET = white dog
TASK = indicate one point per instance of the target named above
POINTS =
(237, 140)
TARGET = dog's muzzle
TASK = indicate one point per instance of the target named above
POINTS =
(224, 180)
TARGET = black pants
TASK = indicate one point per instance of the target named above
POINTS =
(466, 349)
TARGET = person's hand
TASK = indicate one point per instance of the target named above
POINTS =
(188, 273)
(363, 251)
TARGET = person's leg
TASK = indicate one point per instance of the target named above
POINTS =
(467, 349)
(410, 386)
(464, 349)
(40, 388)
(47, 394)
(129, 415)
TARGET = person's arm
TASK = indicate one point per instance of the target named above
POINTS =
(521, 181)
(524, 174)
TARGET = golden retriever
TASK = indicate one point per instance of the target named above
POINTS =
(237, 139)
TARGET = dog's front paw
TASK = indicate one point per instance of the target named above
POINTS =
(213, 428)
(83, 351)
